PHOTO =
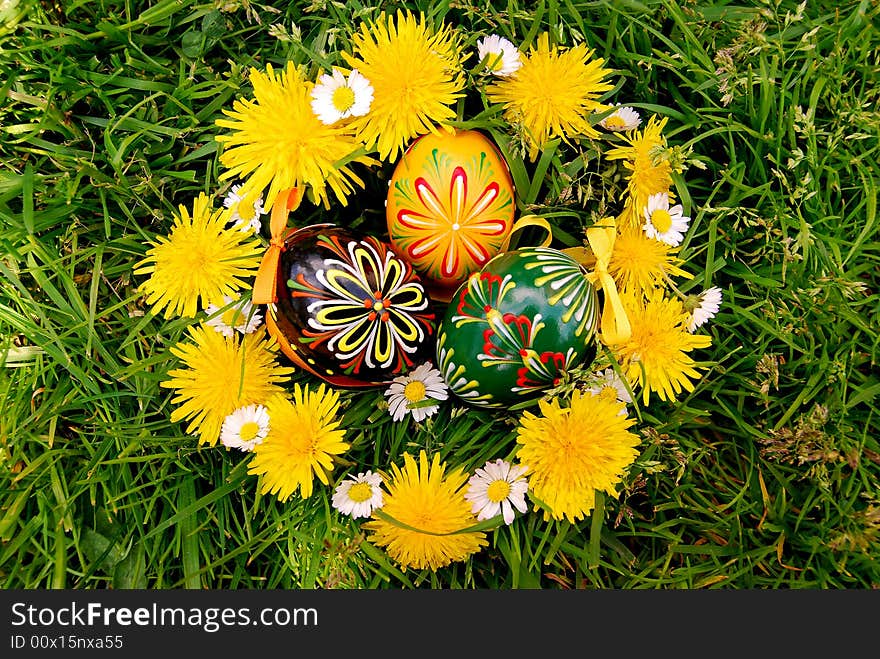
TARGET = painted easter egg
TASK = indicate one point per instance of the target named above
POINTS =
(348, 309)
(450, 206)
(513, 328)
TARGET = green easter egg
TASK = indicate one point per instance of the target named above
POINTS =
(512, 329)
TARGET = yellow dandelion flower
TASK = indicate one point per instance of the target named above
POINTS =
(649, 175)
(432, 503)
(655, 356)
(416, 76)
(277, 141)
(222, 374)
(198, 263)
(303, 437)
(640, 263)
(573, 451)
(553, 93)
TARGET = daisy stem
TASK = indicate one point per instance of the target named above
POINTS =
(671, 284)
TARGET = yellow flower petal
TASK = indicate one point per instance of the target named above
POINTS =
(655, 356)
(198, 263)
(277, 142)
(416, 76)
(423, 496)
(221, 374)
(303, 437)
(573, 451)
(553, 93)
(650, 174)
(640, 263)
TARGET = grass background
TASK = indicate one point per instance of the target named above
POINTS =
(765, 477)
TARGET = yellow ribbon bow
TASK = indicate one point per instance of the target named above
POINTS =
(267, 276)
(529, 221)
(615, 327)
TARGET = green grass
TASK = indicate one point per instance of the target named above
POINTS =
(766, 476)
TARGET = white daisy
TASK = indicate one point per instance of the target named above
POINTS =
(707, 305)
(666, 224)
(623, 118)
(245, 427)
(609, 384)
(335, 98)
(358, 495)
(247, 221)
(229, 318)
(416, 393)
(498, 487)
(502, 57)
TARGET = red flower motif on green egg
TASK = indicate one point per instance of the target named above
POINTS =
(484, 291)
(541, 371)
(508, 337)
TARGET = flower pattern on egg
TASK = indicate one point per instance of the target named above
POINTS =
(364, 307)
(450, 205)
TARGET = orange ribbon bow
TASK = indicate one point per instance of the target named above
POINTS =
(267, 276)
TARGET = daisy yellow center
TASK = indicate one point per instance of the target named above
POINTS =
(608, 393)
(498, 491)
(231, 317)
(614, 122)
(343, 99)
(414, 391)
(360, 492)
(495, 61)
(662, 220)
(249, 431)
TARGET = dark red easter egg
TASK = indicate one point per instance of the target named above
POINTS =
(348, 309)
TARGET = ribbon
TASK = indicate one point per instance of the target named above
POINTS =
(529, 221)
(615, 324)
(267, 276)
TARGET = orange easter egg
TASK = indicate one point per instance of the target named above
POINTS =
(450, 205)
